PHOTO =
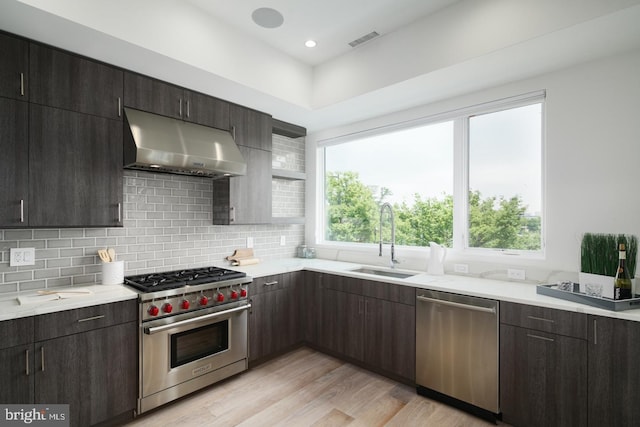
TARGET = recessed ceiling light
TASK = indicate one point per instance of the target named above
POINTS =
(267, 17)
(310, 43)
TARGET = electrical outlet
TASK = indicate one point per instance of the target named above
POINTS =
(513, 273)
(22, 256)
(461, 268)
(283, 240)
(249, 242)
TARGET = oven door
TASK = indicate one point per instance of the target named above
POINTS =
(187, 348)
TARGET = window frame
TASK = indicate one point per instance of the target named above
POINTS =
(460, 118)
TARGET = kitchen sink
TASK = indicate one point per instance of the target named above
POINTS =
(384, 272)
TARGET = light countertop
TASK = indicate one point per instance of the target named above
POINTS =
(523, 293)
(88, 295)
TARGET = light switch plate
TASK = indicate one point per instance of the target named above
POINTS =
(249, 242)
(461, 268)
(22, 256)
(283, 240)
(514, 273)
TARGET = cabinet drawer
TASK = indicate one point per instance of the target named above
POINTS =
(544, 319)
(16, 332)
(48, 326)
(275, 282)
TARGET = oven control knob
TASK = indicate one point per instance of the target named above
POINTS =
(234, 294)
(243, 292)
(167, 308)
(153, 310)
(185, 304)
(203, 300)
(220, 297)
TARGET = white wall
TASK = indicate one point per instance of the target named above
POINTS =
(592, 158)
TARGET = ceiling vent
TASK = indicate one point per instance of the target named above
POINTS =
(364, 39)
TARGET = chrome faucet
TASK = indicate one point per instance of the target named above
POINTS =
(394, 261)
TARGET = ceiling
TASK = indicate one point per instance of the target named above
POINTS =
(333, 24)
(427, 51)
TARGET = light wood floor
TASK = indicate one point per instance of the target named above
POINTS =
(307, 388)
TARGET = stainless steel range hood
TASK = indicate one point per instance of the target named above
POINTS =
(163, 144)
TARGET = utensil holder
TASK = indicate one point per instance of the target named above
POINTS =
(113, 273)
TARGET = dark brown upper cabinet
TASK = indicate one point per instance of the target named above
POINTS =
(63, 80)
(251, 128)
(14, 67)
(155, 96)
(14, 162)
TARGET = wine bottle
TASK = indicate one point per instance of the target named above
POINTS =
(622, 284)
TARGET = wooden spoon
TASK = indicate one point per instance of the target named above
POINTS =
(104, 256)
(112, 254)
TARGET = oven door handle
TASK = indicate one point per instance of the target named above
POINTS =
(156, 329)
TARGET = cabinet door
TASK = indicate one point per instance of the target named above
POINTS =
(614, 383)
(311, 307)
(154, 96)
(75, 169)
(60, 79)
(16, 374)
(245, 199)
(14, 67)
(16, 360)
(261, 325)
(251, 128)
(206, 110)
(94, 372)
(287, 328)
(14, 163)
(543, 378)
(390, 337)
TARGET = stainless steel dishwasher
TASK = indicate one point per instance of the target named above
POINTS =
(457, 351)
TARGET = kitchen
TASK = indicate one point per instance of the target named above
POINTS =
(590, 127)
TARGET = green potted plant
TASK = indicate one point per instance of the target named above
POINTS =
(599, 261)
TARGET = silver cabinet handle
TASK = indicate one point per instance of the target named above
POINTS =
(595, 332)
(188, 108)
(119, 212)
(232, 214)
(21, 210)
(21, 84)
(538, 337)
(275, 282)
(119, 107)
(457, 305)
(233, 132)
(156, 329)
(42, 358)
(26, 356)
(542, 319)
(88, 319)
(180, 107)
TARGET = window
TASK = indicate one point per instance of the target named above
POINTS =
(412, 169)
(488, 196)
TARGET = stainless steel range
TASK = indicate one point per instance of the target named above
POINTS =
(193, 330)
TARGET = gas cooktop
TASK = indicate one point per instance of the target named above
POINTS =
(154, 282)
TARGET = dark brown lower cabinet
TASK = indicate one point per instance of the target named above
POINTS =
(614, 382)
(543, 378)
(378, 331)
(274, 317)
(94, 372)
(16, 361)
(86, 358)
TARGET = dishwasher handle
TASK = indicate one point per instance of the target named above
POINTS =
(491, 310)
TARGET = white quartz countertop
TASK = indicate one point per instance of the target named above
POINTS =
(523, 293)
(66, 299)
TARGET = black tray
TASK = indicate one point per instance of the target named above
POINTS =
(579, 297)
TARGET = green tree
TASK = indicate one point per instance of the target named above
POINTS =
(351, 209)
(429, 220)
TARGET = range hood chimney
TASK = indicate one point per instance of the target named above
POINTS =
(162, 144)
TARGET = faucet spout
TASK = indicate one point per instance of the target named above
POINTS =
(384, 206)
